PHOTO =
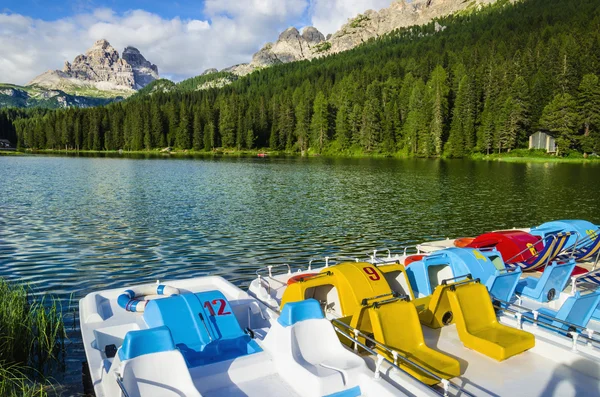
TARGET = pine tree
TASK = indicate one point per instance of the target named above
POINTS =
(182, 139)
(560, 118)
(320, 122)
(303, 124)
(157, 126)
(209, 135)
(438, 97)
(371, 118)
(198, 139)
(342, 127)
(588, 103)
(227, 124)
(416, 120)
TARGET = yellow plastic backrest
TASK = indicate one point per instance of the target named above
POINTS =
(397, 279)
(357, 281)
(397, 324)
(434, 310)
(353, 282)
(476, 306)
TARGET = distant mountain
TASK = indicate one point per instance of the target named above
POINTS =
(31, 96)
(98, 77)
(101, 69)
(295, 46)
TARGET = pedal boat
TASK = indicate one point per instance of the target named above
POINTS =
(206, 337)
(377, 306)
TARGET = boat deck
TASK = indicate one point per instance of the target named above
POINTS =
(252, 375)
(537, 372)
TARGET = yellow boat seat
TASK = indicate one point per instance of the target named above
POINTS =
(478, 327)
(397, 326)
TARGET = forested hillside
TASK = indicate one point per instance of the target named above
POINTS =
(482, 84)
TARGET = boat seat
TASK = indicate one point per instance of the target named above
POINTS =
(309, 354)
(503, 285)
(478, 327)
(577, 309)
(547, 287)
(203, 326)
(397, 326)
(163, 374)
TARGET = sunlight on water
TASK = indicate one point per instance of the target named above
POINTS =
(70, 226)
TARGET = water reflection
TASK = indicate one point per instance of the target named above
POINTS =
(70, 225)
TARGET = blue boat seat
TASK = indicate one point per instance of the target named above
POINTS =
(547, 287)
(577, 309)
(203, 327)
(502, 285)
(146, 341)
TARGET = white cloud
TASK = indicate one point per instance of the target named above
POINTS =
(181, 48)
(329, 15)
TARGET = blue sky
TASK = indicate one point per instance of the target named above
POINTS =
(182, 38)
(52, 10)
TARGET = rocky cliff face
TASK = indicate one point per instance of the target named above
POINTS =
(144, 72)
(292, 46)
(102, 69)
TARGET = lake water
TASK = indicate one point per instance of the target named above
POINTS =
(70, 226)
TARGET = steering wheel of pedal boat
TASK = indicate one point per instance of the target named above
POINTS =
(133, 300)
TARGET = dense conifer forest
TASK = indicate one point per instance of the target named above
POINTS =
(483, 84)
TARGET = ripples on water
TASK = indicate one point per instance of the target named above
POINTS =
(70, 226)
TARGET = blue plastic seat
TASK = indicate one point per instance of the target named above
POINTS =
(549, 285)
(203, 327)
(294, 312)
(146, 341)
(577, 309)
(503, 284)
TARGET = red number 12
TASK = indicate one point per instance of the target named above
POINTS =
(222, 306)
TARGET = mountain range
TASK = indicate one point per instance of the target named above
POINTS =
(100, 75)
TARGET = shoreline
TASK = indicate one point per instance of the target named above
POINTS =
(518, 157)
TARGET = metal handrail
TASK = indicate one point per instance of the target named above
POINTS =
(467, 276)
(571, 332)
(395, 296)
(327, 258)
(374, 256)
(445, 382)
(121, 385)
(411, 246)
(270, 269)
(553, 236)
(575, 279)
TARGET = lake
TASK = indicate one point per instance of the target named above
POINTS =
(72, 225)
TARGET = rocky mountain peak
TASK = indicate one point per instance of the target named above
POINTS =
(312, 35)
(289, 34)
(292, 46)
(102, 68)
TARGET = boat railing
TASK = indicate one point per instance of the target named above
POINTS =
(576, 279)
(375, 259)
(529, 248)
(263, 281)
(353, 334)
(394, 296)
(574, 332)
(124, 391)
(327, 260)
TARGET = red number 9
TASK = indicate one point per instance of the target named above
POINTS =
(372, 273)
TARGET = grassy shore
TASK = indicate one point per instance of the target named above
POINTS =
(536, 156)
(515, 156)
(32, 338)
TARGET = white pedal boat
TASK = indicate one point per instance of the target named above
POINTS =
(210, 338)
(555, 366)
